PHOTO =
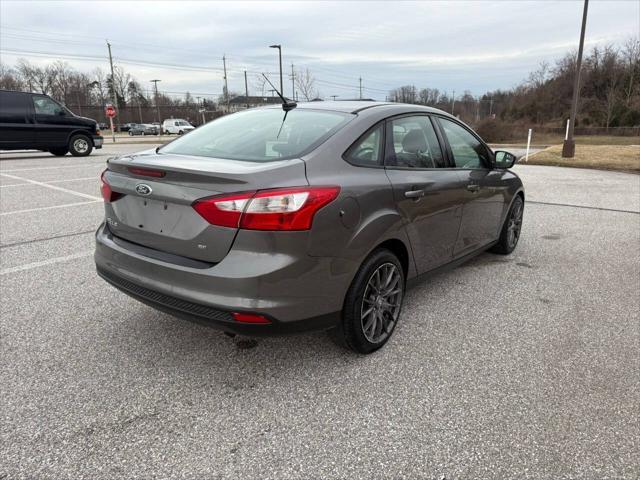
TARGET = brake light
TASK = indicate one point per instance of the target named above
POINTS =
(224, 210)
(107, 194)
(277, 209)
(249, 318)
(147, 172)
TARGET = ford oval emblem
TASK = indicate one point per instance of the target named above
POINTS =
(143, 189)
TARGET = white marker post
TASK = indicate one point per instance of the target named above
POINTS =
(566, 134)
(526, 155)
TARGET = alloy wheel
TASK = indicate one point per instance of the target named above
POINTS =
(515, 225)
(381, 302)
(81, 145)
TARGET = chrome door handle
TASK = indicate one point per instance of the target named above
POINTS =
(414, 193)
(472, 187)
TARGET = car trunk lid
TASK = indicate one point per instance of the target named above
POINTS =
(157, 192)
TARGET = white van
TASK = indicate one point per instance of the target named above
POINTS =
(176, 125)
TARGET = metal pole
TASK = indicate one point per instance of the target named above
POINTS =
(490, 107)
(246, 89)
(569, 146)
(280, 59)
(226, 86)
(113, 92)
(155, 84)
(453, 102)
(293, 83)
(526, 155)
(360, 86)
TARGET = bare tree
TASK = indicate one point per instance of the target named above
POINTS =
(101, 85)
(631, 56)
(306, 85)
(9, 78)
(260, 84)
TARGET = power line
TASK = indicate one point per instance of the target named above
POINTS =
(154, 48)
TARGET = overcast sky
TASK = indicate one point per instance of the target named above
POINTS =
(454, 45)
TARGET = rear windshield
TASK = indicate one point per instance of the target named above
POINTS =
(260, 135)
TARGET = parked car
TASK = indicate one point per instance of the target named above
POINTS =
(142, 129)
(260, 224)
(176, 126)
(36, 121)
(125, 127)
(103, 126)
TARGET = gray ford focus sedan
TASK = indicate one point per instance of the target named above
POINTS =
(286, 219)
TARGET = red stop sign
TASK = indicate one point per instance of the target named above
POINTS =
(110, 111)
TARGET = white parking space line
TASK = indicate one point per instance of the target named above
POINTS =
(97, 164)
(52, 181)
(44, 263)
(53, 187)
(52, 207)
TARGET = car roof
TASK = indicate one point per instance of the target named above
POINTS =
(355, 106)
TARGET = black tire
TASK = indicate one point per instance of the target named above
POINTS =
(180, 132)
(59, 152)
(352, 330)
(510, 233)
(80, 145)
(130, 133)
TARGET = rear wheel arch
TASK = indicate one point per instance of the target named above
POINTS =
(399, 249)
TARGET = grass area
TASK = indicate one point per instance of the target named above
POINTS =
(550, 139)
(625, 158)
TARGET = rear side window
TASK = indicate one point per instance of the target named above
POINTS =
(413, 143)
(260, 135)
(13, 107)
(46, 106)
(367, 151)
(468, 151)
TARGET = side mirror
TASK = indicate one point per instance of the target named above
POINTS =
(504, 159)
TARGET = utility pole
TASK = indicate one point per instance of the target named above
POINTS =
(453, 102)
(155, 84)
(360, 87)
(246, 89)
(226, 87)
(491, 107)
(279, 47)
(477, 109)
(139, 109)
(113, 90)
(569, 145)
(334, 97)
(293, 83)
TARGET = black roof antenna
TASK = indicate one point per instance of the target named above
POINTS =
(286, 106)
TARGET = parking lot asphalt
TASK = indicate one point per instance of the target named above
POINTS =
(525, 366)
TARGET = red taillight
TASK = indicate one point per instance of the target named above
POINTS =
(107, 194)
(249, 318)
(277, 209)
(223, 210)
(147, 172)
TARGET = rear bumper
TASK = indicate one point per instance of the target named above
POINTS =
(295, 293)
(97, 141)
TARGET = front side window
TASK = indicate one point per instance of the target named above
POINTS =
(367, 152)
(46, 106)
(260, 135)
(415, 144)
(468, 151)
